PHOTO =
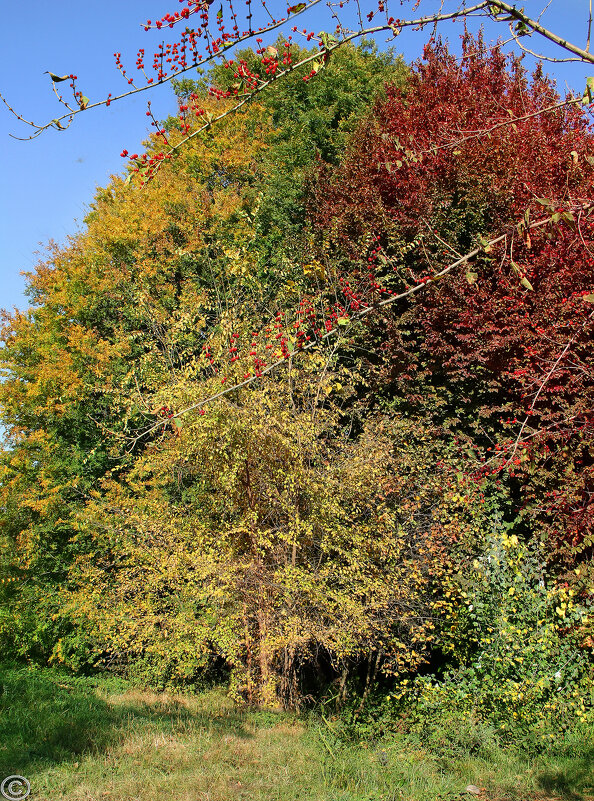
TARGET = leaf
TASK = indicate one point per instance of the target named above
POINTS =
(589, 92)
(327, 39)
(296, 8)
(590, 160)
(57, 78)
(271, 51)
(588, 298)
(471, 277)
(523, 280)
(574, 156)
(84, 102)
(522, 29)
(220, 13)
(485, 244)
(317, 66)
(343, 321)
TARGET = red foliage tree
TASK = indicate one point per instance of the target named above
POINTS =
(499, 352)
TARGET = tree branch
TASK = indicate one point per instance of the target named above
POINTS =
(369, 308)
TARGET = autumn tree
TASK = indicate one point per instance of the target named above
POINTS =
(299, 369)
(142, 314)
(497, 353)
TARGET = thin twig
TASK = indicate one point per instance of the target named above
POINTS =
(541, 387)
(536, 26)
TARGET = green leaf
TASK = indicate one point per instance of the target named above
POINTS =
(84, 102)
(589, 298)
(327, 39)
(177, 423)
(343, 321)
(523, 280)
(522, 29)
(471, 277)
(589, 92)
(57, 78)
(296, 8)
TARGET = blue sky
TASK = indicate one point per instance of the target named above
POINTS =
(49, 182)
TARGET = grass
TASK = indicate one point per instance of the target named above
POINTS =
(101, 740)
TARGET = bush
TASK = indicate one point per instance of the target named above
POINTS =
(525, 667)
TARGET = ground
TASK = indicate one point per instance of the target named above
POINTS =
(91, 739)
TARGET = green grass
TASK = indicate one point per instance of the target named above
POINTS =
(95, 739)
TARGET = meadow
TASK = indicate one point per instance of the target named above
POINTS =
(94, 738)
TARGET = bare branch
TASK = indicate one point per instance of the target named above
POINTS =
(249, 36)
(519, 15)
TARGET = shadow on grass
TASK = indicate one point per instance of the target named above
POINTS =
(571, 776)
(47, 717)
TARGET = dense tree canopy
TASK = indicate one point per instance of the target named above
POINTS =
(173, 507)
(503, 345)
